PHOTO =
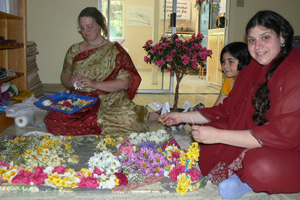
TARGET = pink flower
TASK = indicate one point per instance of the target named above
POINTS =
(126, 150)
(98, 171)
(199, 36)
(22, 177)
(169, 58)
(195, 174)
(175, 155)
(88, 182)
(59, 169)
(4, 164)
(126, 147)
(160, 63)
(149, 42)
(38, 177)
(146, 59)
(179, 169)
(185, 59)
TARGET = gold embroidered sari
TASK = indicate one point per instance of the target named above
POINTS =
(115, 113)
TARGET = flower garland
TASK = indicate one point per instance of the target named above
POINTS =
(186, 171)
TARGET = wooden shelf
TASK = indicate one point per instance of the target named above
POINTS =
(11, 47)
(14, 57)
(18, 74)
(4, 15)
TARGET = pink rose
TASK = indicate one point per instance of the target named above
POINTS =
(127, 150)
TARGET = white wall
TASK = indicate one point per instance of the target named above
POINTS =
(52, 24)
(239, 16)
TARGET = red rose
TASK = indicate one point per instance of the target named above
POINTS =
(122, 178)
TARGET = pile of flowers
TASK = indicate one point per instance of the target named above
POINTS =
(67, 104)
(108, 142)
(44, 161)
(46, 151)
(158, 137)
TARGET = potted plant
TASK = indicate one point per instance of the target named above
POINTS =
(177, 55)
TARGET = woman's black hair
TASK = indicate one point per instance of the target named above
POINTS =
(274, 21)
(97, 16)
(238, 50)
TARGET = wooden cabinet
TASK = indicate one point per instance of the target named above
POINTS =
(215, 43)
(14, 58)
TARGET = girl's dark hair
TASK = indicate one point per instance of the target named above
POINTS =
(97, 16)
(274, 21)
(238, 50)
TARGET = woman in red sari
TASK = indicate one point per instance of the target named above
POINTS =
(99, 68)
(260, 147)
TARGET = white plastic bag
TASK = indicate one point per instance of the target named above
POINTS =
(22, 109)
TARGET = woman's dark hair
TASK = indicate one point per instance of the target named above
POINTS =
(97, 16)
(238, 50)
(274, 21)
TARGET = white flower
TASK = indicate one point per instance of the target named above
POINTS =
(48, 170)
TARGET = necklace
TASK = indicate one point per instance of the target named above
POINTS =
(95, 45)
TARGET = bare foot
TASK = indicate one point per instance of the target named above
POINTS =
(153, 116)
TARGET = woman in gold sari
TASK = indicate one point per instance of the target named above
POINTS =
(99, 68)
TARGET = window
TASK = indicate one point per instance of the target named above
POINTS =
(116, 18)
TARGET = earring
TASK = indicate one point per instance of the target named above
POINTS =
(283, 44)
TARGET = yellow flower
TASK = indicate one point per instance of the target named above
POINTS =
(73, 184)
(117, 181)
(68, 147)
(69, 137)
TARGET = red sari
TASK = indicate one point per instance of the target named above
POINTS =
(84, 122)
(275, 167)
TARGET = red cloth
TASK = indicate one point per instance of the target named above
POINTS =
(273, 168)
(84, 122)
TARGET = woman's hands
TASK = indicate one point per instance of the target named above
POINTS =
(238, 138)
(171, 118)
(205, 134)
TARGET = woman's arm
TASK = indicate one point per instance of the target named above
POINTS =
(238, 138)
(173, 118)
(66, 80)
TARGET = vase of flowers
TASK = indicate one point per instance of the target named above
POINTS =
(177, 55)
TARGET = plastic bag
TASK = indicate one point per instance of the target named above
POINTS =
(27, 114)
(22, 109)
